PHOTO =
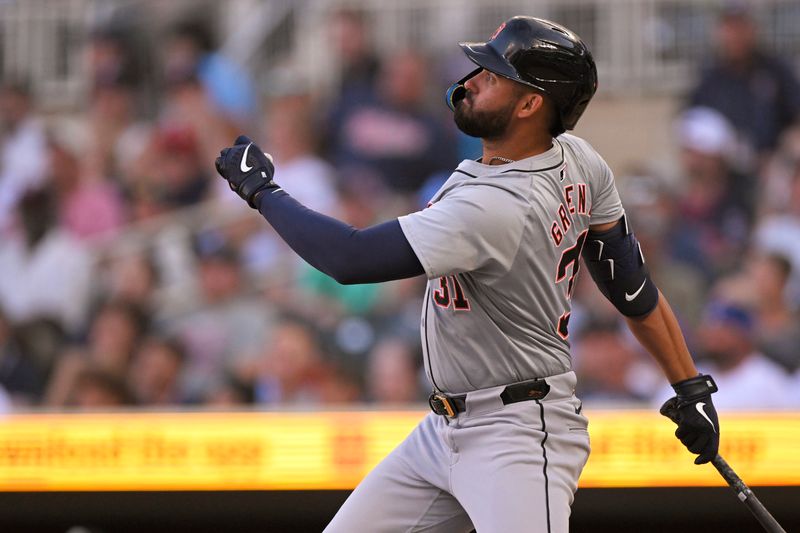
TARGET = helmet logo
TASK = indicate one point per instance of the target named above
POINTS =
(498, 30)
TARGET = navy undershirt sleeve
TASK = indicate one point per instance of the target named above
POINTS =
(348, 255)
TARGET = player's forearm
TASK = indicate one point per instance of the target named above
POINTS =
(375, 254)
(661, 336)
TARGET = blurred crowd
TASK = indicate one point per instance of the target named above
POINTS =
(131, 276)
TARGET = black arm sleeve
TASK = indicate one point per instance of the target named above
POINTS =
(348, 255)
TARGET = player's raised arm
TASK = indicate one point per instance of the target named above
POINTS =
(349, 255)
(616, 263)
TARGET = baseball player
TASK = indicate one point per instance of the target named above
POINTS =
(500, 244)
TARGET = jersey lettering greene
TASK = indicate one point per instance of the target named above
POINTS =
(501, 246)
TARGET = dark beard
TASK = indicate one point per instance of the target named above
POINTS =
(483, 124)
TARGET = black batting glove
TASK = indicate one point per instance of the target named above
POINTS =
(247, 169)
(691, 408)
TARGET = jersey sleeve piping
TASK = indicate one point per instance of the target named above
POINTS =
(465, 173)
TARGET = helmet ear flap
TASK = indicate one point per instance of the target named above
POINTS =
(457, 91)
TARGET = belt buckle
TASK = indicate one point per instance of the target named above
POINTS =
(439, 403)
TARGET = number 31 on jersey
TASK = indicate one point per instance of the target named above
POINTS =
(444, 297)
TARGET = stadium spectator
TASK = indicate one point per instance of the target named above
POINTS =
(392, 375)
(190, 51)
(292, 368)
(229, 393)
(89, 206)
(21, 381)
(778, 229)
(170, 173)
(754, 90)
(180, 176)
(23, 141)
(355, 51)
(609, 366)
(117, 63)
(115, 333)
(116, 136)
(223, 329)
(777, 325)
(45, 271)
(340, 386)
(292, 140)
(780, 176)
(334, 299)
(651, 208)
(714, 219)
(726, 349)
(186, 106)
(28, 352)
(96, 389)
(133, 276)
(115, 52)
(155, 372)
(391, 138)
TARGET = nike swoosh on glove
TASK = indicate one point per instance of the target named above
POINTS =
(247, 169)
(698, 424)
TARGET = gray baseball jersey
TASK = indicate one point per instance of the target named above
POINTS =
(501, 248)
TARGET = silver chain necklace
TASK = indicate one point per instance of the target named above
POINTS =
(503, 159)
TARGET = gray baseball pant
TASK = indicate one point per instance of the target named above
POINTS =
(495, 468)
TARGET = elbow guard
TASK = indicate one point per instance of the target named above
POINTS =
(615, 261)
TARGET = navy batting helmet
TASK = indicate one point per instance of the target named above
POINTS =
(542, 55)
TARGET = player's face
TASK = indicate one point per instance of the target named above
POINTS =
(488, 106)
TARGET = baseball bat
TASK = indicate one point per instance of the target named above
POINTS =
(746, 496)
(741, 489)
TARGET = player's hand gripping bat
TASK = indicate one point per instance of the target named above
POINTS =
(742, 491)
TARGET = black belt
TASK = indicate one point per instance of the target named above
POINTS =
(445, 405)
